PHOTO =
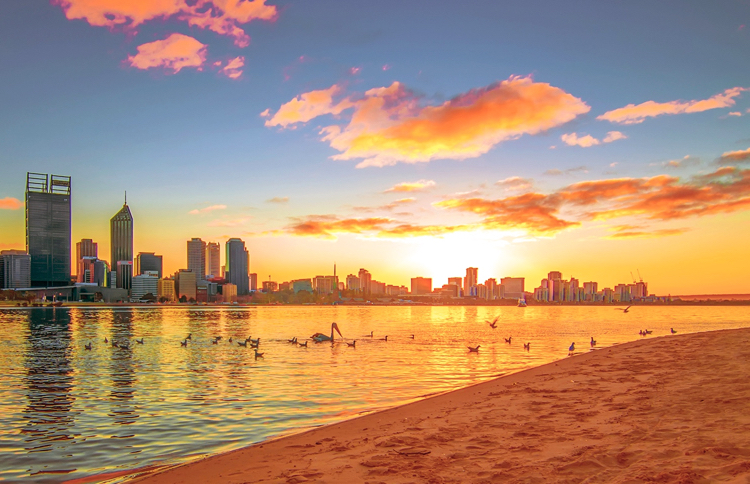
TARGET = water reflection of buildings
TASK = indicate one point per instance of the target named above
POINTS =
(49, 380)
(122, 374)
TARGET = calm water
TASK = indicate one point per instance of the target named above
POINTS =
(69, 413)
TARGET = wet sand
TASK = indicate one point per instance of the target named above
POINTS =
(672, 409)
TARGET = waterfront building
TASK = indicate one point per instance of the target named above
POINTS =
(471, 280)
(121, 243)
(213, 259)
(573, 290)
(253, 282)
(621, 293)
(237, 265)
(325, 284)
(514, 287)
(302, 285)
(15, 269)
(148, 262)
(101, 273)
(449, 290)
(459, 282)
(352, 282)
(393, 290)
(589, 291)
(165, 288)
(377, 287)
(186, 284)
(48, 229)
(365, 281)
(86, 269)
(421, 285)
(270, 286)
(124, 275)
(85, 248)
(196, 258)
(143, 284)
(491, 285)
(229, 292)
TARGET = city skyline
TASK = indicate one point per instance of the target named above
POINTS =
(502, 137)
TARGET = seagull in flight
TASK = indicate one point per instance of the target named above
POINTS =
(624, 310)
(474, 350)
(493, 324)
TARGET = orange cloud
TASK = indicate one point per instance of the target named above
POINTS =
(10, 203)
(173, 53)
(416, 186)
(220, 16)
(534, 213)
(739, 156)
(640, 234)
(634, 114)
(233, 69)
(328, 226)
(278, 200)
(388, 125)
(307, 106)
(207, 209)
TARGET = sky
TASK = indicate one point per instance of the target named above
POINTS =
(408, 138)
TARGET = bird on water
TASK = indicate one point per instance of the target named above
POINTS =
(593, 342)
(572, 348)
(474, 350)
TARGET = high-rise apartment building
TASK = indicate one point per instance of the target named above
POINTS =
(86, 269)
(253, 281)
(352, 282)
(459, 283)
(143, 284)
(84, 248)
(121, 242)
(48, 236)
(124, 274)
(470, 281)
(325, 284)
(165, 288)
(237, 265)
(186, 284)
(196, 258)
(365, 281)
(421, 285)
(148, 262)
(213, 259)
(15, 269)
(514, 287)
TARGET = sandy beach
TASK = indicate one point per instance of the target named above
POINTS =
(671, 409)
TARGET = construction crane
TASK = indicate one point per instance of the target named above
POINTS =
(639, 275)
(633, 277)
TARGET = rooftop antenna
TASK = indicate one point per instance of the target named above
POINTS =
(126, 197)
(334, 269)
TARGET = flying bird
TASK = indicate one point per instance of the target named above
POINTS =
(624, 310)
(474, 350)
(527, 346)
(493, 324)
(507, 340)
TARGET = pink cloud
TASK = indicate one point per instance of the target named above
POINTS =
(10, 203)
(572, 139)
(416, 186)
(207, 209)
(173, 53)
(220, 16)
(634, 114)
(233, 69)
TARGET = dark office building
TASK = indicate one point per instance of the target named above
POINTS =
(121, 241)
(147, 261)
(48, 229)
(237, 259)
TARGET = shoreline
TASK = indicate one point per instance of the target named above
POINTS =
(668, 409)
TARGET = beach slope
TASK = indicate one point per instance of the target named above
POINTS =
(667, 409)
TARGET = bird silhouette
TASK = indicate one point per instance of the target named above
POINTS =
(412, 336)
(115, 345)
(303, 345)
(88, 346)
(527, 346)
(183, 343)
(493, 324)
(507, 340)
(139, 341)
(593, 342)
(474, 350)
(624, 310)
(106, 340)
(353, 344)
(672, 330)
(572, 348)
(242, 343)
(258, 355)
(369, 335)
(214, 341)
(230, 339)
(190, 336)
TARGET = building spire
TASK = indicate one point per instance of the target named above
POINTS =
(126, 197)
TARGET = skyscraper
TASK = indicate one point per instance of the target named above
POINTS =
(85, 248)
(148, 261)
(15, 269)
(365, 281)
(237, 265)
(48, 229)
(121, 242)
(470, 281)
(196, 258)
(213, 259)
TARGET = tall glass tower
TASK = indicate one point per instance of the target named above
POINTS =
(238, 260)
(121, 241)
(48, 229)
